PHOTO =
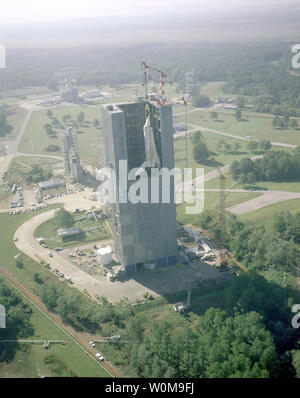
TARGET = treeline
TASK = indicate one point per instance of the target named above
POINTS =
(275, 89)
(274, 166)
(80, 312)
(101, 66)
(37, 174)
(256, 247)
(5, 128)
(252, 337)
(18, 320)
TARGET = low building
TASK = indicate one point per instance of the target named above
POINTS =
(52, 183)
(64, 232)
(104, 255)
(93, 94)
(230, 107)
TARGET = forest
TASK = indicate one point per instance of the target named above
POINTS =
(273, 166)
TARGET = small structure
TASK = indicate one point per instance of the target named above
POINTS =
(93, 94)
(40, 240)
(70, 93)
(63, 233)
(52, 183)
(230, 106)
(104, 255)
(181, 307)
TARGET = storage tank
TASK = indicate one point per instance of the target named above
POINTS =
(104, 255)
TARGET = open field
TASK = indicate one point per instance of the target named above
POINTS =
(15, 121)
(21, 165)
(33, 355)
(266, 215)
(255, 127)
(43, 328)
(36, 140)
(217, 158)
(48, 231)
(14, 96)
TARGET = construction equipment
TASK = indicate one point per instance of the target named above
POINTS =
(161, 99)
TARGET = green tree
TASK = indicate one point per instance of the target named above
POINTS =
(237, 146)
(214, 115)
(275, 122)
(80, 118)
(238, 115)
(200, 101)
(63, 218)
(293, 124)
(265, 145)
(200, 152)
(96, 123)
(253, 146)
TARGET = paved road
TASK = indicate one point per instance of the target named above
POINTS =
(82, 280)
(266, 199)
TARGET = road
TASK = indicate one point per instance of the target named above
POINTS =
(266, 199)
(36, 302)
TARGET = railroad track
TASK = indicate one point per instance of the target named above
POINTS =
(34, 300)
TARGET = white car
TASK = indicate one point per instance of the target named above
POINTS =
(115, 336)
(99, 356)
(92, 344)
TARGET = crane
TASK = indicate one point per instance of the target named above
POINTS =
(161, 98)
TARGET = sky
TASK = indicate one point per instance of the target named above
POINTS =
(38, 11)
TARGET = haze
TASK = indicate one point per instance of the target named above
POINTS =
(35, 11)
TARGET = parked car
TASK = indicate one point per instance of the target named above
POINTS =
(99, 356)
(92, 344)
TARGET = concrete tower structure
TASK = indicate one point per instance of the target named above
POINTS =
(142, 134)
(72, 165)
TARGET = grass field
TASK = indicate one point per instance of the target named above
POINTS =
(35, 139)
(21, 165)
(15, 121)
(14, 96)
(253, 126)
(217, 158)
(48, 231)
(266, 215)
(43, 328)
(34, 354)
